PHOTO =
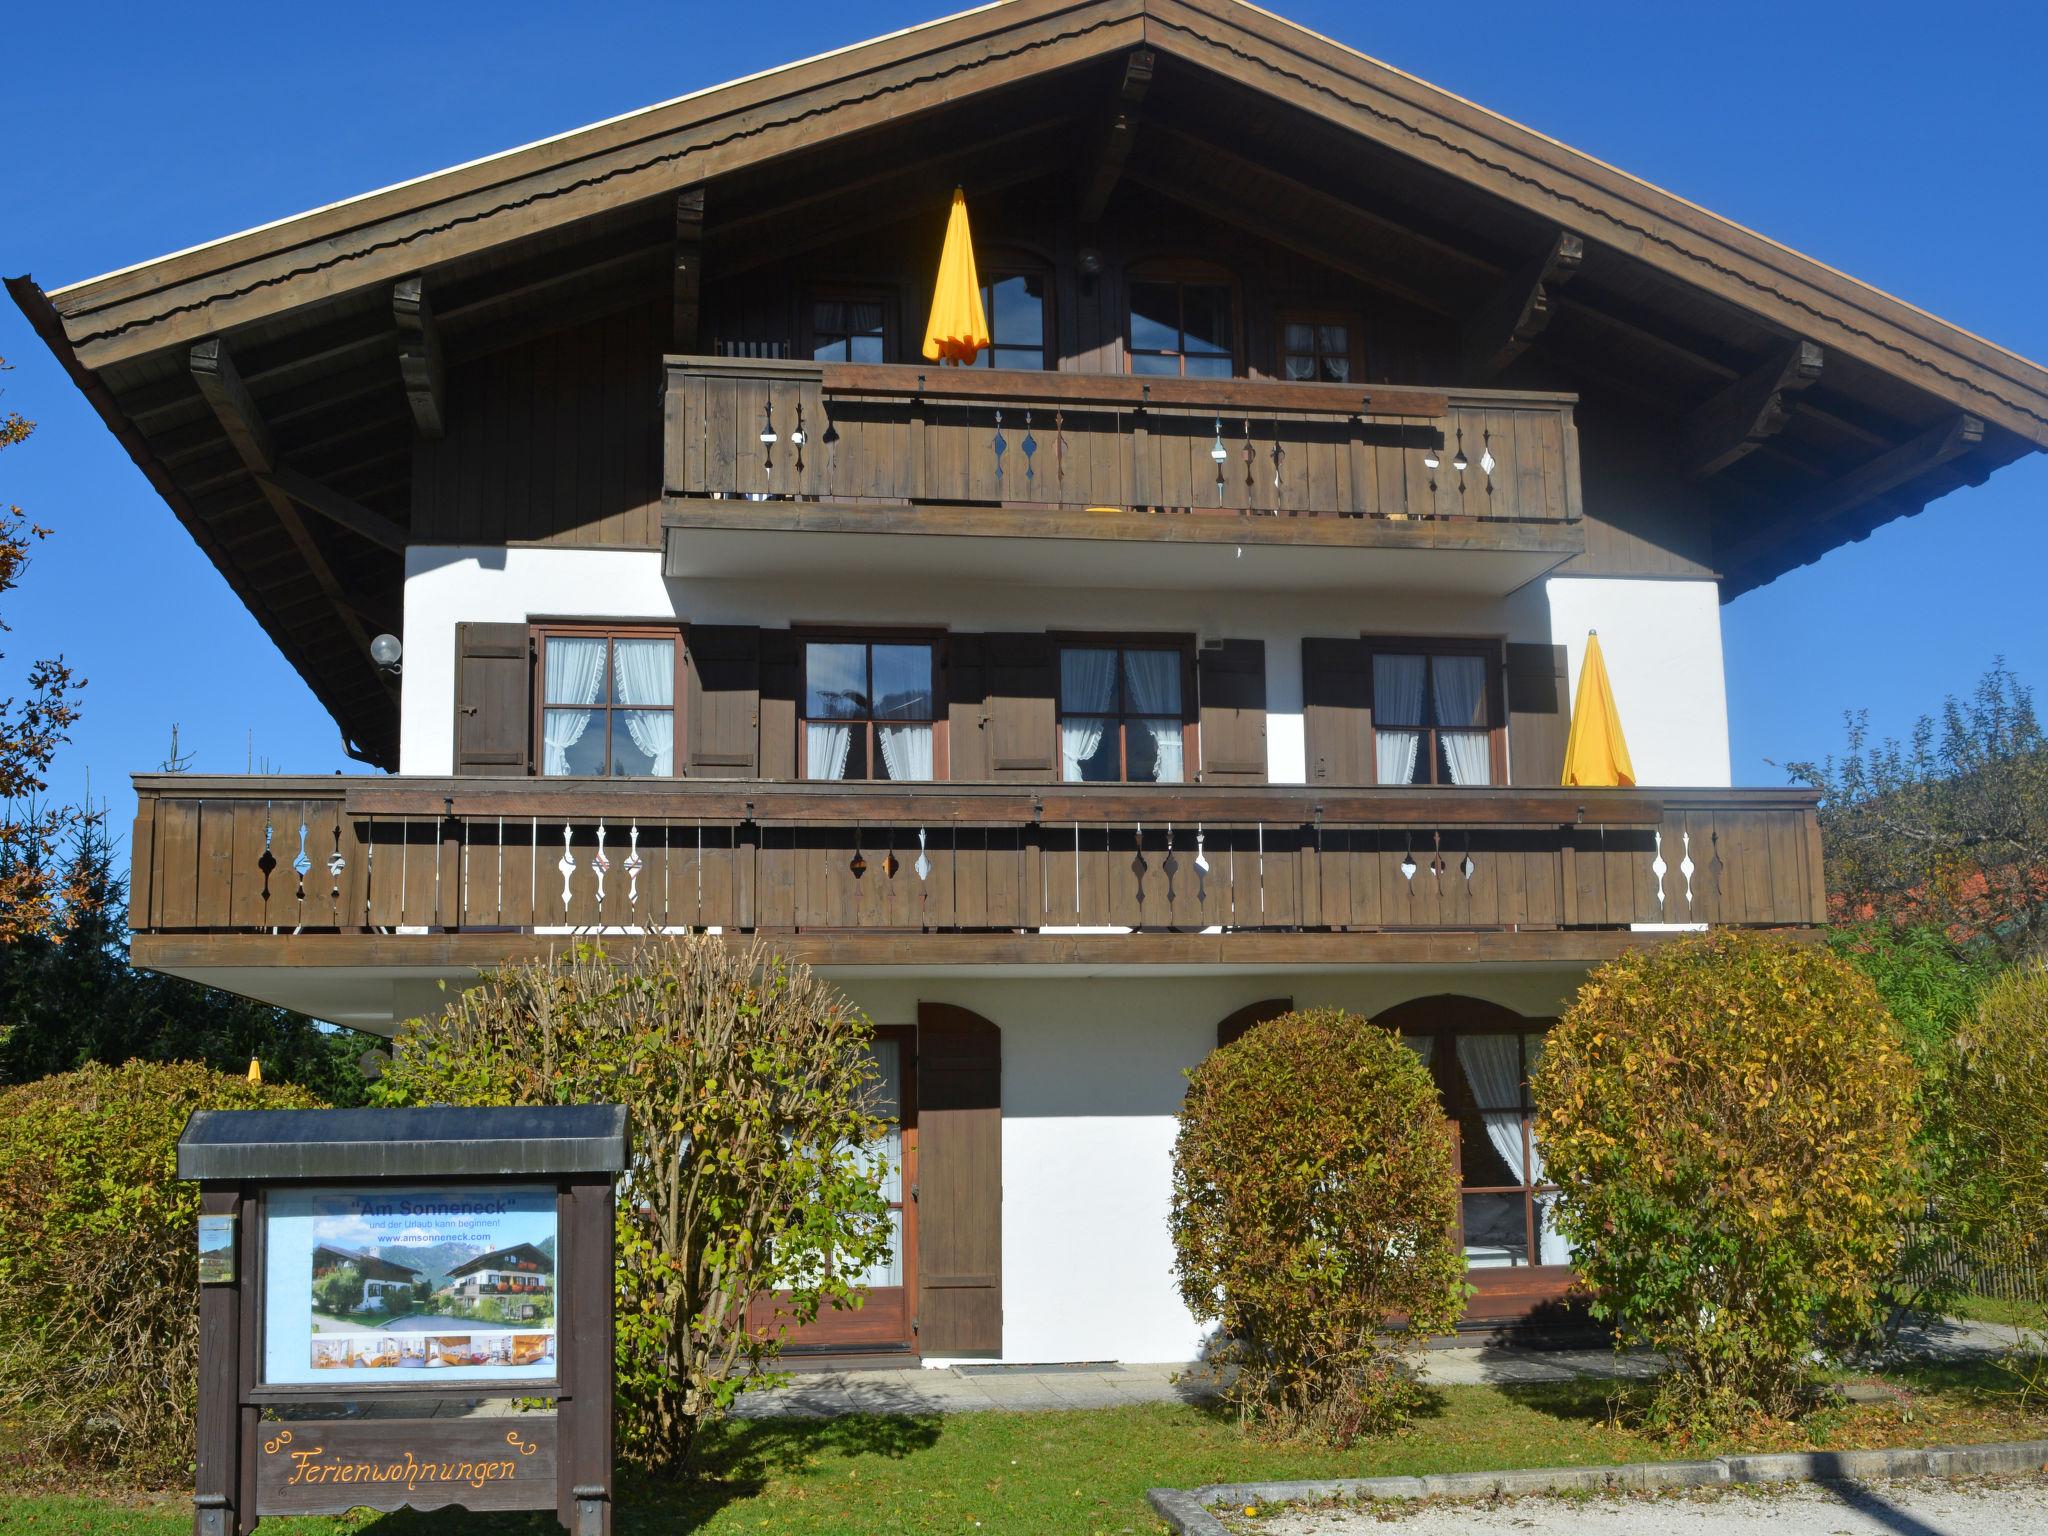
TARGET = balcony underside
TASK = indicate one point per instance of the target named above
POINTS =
(1119, 548)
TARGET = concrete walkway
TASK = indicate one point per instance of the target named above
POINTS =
(1028, 1388)
(1024, 1389)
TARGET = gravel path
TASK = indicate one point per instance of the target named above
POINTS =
(2006, 1507)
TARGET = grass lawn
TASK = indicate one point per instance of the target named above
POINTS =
(1086, 1472)
(2006, 1314)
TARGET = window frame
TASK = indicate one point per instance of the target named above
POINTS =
(1354, 351)
(1004, 265)
(1493, 651)
(872, 635)
(539, 631)
(814, 294)
(1183, 274)
(1124, 640)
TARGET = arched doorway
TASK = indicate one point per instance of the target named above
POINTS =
(1482, 1056)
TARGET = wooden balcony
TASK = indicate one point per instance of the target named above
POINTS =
(331, 871)
(766, 447)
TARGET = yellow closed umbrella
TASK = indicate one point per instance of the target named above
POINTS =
(958, 328)
(1596, 752)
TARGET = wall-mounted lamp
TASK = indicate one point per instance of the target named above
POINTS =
(386, 652)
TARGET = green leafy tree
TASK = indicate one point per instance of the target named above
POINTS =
(68, 996)
(1730, 1119)
(1949, 828)
(1315, 1200)
(1997, 1192)
(748, 1085)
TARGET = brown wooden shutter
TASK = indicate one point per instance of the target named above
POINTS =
(1539, 714)
(782, 684)
(1231, 681)
(722, 711)
(1252, 1013)
(965, 684)
(959, 1190)
(1022, 676)
(1337, 712)
(493, 698)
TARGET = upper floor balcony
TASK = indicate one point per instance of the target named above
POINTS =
(241, 879)
(1121, 479)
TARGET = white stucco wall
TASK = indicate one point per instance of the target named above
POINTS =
(1091, 1083)
(1662, 638)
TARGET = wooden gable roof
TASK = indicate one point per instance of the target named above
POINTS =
(1355, 163)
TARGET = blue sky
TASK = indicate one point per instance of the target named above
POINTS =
(1884, 139)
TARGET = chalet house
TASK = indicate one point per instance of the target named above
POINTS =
(521, 1269)
(1207, 646)
(381, 1277)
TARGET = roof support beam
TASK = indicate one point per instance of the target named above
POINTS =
(1738, 420)
(689, 271)
(1520, 308)
(420, 365)
(213, 370)
(1104, 167)
(1868, 482)
(339, 509)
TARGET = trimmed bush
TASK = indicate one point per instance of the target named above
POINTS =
(99, 1276)
(1315, 1207)
(1730, 1119)
(747, 1085)
(1998, 1197)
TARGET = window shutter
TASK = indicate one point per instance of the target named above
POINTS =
(723, 704)
(782, 684)
(1252, 1013)
(493, 698)
(1337, 712)
(1231, 680)
(1539, 714)
(965, 684)
(959, 1189)
(1022, 676)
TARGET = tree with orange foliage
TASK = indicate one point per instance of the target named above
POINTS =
(33, 726)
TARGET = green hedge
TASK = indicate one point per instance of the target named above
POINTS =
(99, 1286)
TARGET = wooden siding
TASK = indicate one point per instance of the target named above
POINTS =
(467, 855)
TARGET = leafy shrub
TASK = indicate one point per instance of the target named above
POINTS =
(1314, 1202)
(747, 1086)
(99, 1278)
(1730, 1118)
(1998, 1195)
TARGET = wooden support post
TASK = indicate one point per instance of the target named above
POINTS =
(220, 383)
(1738, 420)
(584, 1501)
(420, 365)
(1943, 441)
(217, 1509)
(1520, 308)
(1104, 167)
(689, 272)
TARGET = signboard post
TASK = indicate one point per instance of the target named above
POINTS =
(364, 1271)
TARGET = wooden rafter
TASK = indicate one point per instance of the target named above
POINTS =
(1104, 167)
(339, 509)
(689, 270)
(1742, 417)
(1868, 482)
(420, 365)
(1520, 308)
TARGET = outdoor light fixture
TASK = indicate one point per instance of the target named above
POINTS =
(1089, 260)
(385, 651)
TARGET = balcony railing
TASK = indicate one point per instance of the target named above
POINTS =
(398, 856)
(860, 434)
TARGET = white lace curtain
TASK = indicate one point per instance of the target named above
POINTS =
(1461, 700)
(575, 674)
(827, 746)
(906, 750)
(1397, 684)
(1493, 1067)
(646, 675)
(1153, 681)
(1087, 682)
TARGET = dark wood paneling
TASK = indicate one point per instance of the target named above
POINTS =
(959, 1192)
(1539, 714)
(1337, 711)
(493, 698)
(1231, 683)
(723, 704)
(1021, 675)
